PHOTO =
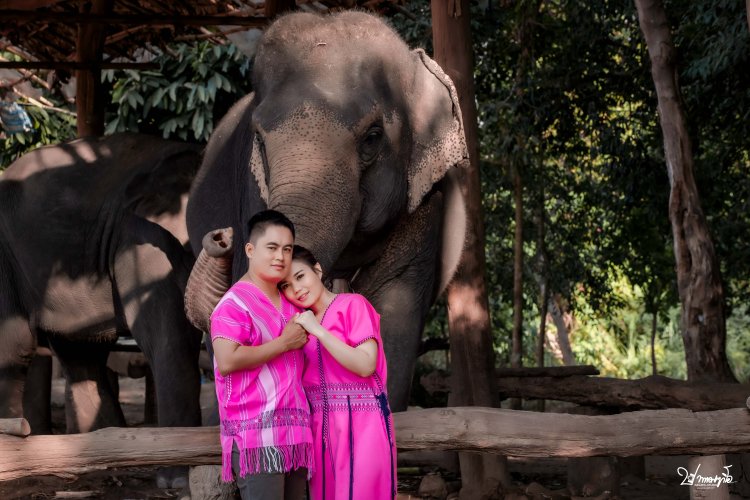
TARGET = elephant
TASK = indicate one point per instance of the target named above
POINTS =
(83, 261)
(359, 141)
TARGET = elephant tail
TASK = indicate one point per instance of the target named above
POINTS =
(210, 278)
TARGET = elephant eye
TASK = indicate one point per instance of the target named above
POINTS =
(371, 144)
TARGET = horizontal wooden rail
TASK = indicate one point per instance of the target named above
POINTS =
(507, 432)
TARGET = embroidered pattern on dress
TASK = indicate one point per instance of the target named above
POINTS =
(361, 396)
(273, 418)
(371, 337)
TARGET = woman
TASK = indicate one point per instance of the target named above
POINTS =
(344, 379)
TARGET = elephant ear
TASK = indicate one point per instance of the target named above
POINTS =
(258, 169)
(438, 139)
(226, 191)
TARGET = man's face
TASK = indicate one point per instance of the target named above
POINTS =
(271, 254)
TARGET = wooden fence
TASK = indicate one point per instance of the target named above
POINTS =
(506, 432)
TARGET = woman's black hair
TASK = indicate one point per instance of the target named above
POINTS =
(301, 253)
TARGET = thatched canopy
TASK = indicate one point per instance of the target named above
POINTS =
(87, 36)
(47, 30)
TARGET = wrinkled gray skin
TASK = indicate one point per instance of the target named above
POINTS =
(355, 138)
(80, 264)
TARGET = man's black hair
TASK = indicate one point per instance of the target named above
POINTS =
(259, 222)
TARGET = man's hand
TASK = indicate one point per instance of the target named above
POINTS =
(293, 336)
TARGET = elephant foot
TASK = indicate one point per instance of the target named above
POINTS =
(172, 478)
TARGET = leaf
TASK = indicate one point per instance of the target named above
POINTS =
(197, 124)
(211, 88)
(191, 97)
(173, 91)
(111, 127)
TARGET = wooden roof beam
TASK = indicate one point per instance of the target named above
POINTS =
(26, 4)
(72, 65)
(19, 16)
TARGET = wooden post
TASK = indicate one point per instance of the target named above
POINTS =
(89, 91)
(708, 467)
(276, 7)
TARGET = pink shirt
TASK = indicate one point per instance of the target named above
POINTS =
(264, 409)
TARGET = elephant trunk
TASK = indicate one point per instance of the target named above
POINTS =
(319, 192)
(210, 278)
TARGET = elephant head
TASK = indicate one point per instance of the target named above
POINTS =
(348, 131)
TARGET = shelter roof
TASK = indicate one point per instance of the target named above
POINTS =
(47, 30)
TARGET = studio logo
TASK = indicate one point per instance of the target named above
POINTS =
(699, 481)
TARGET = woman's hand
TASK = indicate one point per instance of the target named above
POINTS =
(309, 322)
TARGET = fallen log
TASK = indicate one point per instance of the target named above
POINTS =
(654, 392)
(437, 381)
(547, 371)
(650, 393)
(506, 432)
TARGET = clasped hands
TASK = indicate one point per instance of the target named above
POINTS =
(296, 332)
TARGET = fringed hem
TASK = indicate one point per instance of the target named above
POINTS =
(271, 459)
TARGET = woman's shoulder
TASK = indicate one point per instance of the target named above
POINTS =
(354, 301)
(353, 298)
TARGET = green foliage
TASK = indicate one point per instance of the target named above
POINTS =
(50, 127)
(194, 87)
(619, 343)
(565, 97)
(714, 46)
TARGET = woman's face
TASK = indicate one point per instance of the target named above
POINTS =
(303, 286)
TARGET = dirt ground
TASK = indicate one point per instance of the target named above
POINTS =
(544, 475)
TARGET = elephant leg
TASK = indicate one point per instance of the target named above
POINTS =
(401, 286)
(150, 289)
(37, 393)
(150, 416)
(18, 345)
(90, 401)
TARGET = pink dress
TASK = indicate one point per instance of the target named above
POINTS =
(264, 409)
(353, 437)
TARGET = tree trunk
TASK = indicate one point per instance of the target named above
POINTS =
(517, 335)
(698, 277)
(472, 355)
(543, 287)
(563, 332)
(89, 91)
(654, 317)
(516, 341)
